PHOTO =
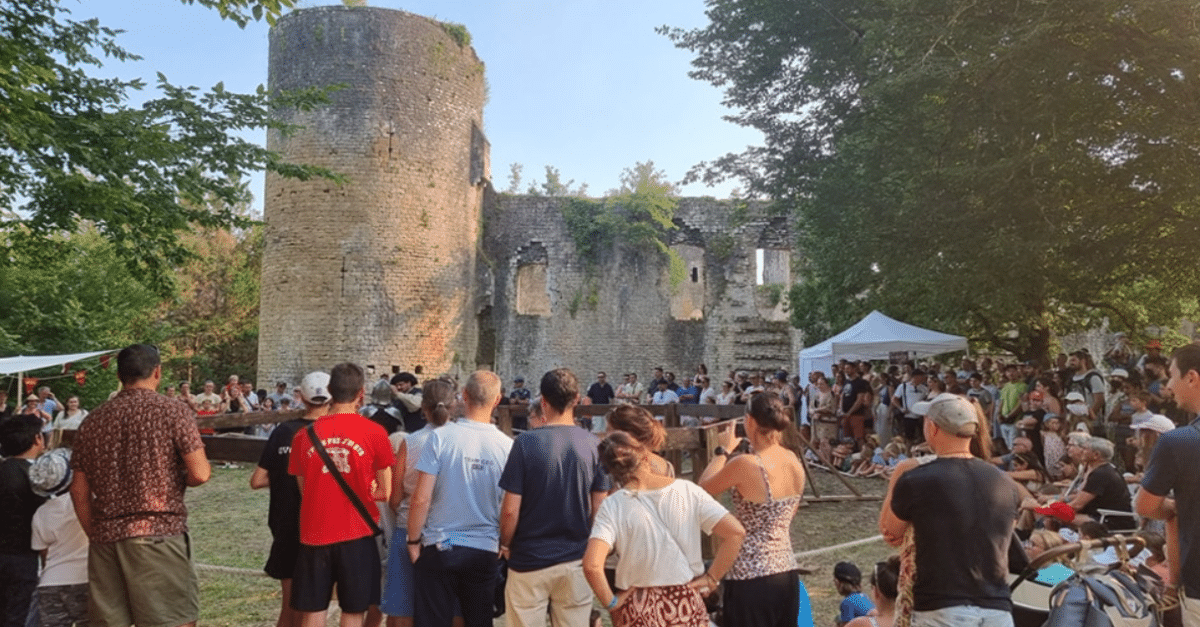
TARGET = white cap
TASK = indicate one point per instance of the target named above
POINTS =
(1119, 372)
(1156, 422)
(1074, 396)
(950, 412)
(314, 388)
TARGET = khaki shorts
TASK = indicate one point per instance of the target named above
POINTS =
(148, 581)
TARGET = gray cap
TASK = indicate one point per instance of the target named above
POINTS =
(950, 412)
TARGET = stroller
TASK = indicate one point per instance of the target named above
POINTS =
(1135, 593)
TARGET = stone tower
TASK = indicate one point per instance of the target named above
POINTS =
(382, 269)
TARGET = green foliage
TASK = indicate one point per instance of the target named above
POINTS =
(771, 294)
(1001, 169)
(552, 186)
(72, 294)
(458, 33)
(236, 10)
(212, 325)
(638, 215)
(75, 151)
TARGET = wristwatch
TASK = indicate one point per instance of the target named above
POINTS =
(720, 450)
(414, 542)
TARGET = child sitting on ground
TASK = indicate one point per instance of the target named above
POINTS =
(866, 460)
(848, 580)
(841, 455)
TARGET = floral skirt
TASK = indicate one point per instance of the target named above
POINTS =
(662, 606)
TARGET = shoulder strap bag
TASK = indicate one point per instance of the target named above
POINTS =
(341, 481)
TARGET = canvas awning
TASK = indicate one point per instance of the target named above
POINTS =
(14, 365)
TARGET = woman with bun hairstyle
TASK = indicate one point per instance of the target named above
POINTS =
(437, 401)
(653, 523)
(638, 422)
(762, 587)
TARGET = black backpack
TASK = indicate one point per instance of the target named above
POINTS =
(1084, 386)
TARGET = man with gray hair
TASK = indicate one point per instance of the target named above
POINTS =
(1103, 488)
(962, 511)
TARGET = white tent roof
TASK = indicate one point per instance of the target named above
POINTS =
(13, 365)
(876, 336)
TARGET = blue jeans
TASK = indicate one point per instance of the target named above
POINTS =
(962, 616)
(461, 574)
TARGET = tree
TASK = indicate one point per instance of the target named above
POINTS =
(554, 185)
(1003, 169)
(73, 150)
(72, 294)
(213, 323)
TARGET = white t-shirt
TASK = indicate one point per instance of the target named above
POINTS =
(56, 528)
(708, 393)
(71, 422)
(646, 554)
(664, 397)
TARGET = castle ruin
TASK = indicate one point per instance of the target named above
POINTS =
(416, 262)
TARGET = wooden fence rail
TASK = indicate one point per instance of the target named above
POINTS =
(696, 443)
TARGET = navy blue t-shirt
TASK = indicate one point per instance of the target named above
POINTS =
(555, 469)
(1172, 467)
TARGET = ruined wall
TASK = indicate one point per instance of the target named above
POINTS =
(380, 270)
(628, 316)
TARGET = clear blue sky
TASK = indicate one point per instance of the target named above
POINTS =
(582, 85)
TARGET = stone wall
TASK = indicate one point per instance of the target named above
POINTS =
(626, 316)
(380, 270)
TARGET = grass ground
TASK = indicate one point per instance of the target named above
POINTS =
(228, 523)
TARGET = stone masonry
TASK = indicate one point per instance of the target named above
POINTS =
(416, 262)
(379, 270)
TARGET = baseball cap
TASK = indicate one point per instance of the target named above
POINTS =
(1119, 372)
(518, 379)
(1156, 422)
(950, 412)
(1059, 510)
(847, 572)
(1074, 396)
(51, 473)
(314, 388)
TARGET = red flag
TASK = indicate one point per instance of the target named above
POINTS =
(81, 377)
(104, 361)
(30, 383)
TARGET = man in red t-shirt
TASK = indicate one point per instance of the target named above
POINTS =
(337, 546)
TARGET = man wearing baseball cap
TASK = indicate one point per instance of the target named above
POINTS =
(283, 510)
(962, 511)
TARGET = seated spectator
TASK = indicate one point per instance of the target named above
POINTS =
(885, 579)
(848, 579)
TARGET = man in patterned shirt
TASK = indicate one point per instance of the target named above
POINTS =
(134, 457)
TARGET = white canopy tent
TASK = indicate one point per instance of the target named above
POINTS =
(876, 337)
(21, 364)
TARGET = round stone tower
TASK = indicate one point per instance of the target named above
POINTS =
(379, 270)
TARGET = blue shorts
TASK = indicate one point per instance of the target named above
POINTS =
(399, 595)
(398, 591)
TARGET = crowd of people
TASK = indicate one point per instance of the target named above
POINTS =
(410, 502)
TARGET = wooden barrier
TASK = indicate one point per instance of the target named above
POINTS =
(697, 443)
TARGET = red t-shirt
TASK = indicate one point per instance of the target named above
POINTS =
(358, 448)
